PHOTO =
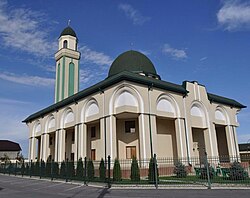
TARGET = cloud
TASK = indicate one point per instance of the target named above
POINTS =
(203, 59)
(11, 102)
(91, 56)
(234, 15)
(22, 29)
(27, 80)
(175, 53)
(133, 14)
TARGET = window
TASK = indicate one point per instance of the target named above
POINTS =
(72, 157)
(130, 152)
(93, 132)
(50, 140)
(65, 44)
(129, 126)
(92, 154)
(73, 136)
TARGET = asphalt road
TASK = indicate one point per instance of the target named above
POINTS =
(18, 187)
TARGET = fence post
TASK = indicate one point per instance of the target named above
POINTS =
(52, 169)
(67, 169)
(4, 167)
(15, 168)
(208, 173)
(30, 168)
(40, 169)
(109, 183)
(85, 170)
(156, 172)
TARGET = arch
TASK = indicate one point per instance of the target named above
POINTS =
(71, 78)
(199, 111)
(131, 91)
(65, 44)
(51, 122)
(92, 108)
(125, 98)
(37, 127)
(196, 111)
(221, 114)
(68, 117)
(167, 103)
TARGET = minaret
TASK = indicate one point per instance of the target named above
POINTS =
(67, 65)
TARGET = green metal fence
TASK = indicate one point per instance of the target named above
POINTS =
(206, 171)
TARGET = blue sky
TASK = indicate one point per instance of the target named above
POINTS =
(207, 41)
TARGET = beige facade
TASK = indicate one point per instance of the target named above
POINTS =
(131, 114)
(180, 127)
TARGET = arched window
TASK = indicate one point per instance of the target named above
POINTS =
(65, 44)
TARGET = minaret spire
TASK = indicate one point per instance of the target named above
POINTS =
(69, 22)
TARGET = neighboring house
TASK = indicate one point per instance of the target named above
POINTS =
(244, 150)
(9, 148)
(130, 113)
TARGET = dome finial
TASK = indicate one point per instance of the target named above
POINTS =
(68, 22)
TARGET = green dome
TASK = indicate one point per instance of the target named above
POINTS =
(132, 61)
(68, 31)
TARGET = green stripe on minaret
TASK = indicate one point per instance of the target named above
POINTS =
(71, 79)
(63, 77)
(58, 83)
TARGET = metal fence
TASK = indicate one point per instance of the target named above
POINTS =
(206, 171)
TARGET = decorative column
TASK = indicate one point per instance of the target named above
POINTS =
(56, 146)
(45, 146)
(82, 149)
(76, 143)
(32, 148)
(111, 137)
(237, 152)
(40, 148)
(230, 141)
(144, 136)
(181, 139)
(102, 139)
(61, 145)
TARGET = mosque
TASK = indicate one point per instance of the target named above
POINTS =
(133, 112)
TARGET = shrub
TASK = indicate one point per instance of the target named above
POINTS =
(55, 169)
(102, 170)
(117, 171)
(48, 167)
(36, 168)
(90, 170)
(237, 172)
(71, 169)
(151, 171)
(180, 170)
(203, 174)
(27, 169)
(135, 171)
(63, 170)
(23, 168)
(43, 168)
(79, 169)
(32, 168)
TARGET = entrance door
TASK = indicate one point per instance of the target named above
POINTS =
(130, 152)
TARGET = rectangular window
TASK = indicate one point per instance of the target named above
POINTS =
(130, 152)
(50, 140)
(72, 155)
(93, 132)
(129, 126)
(73, 136)
(92, 154)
